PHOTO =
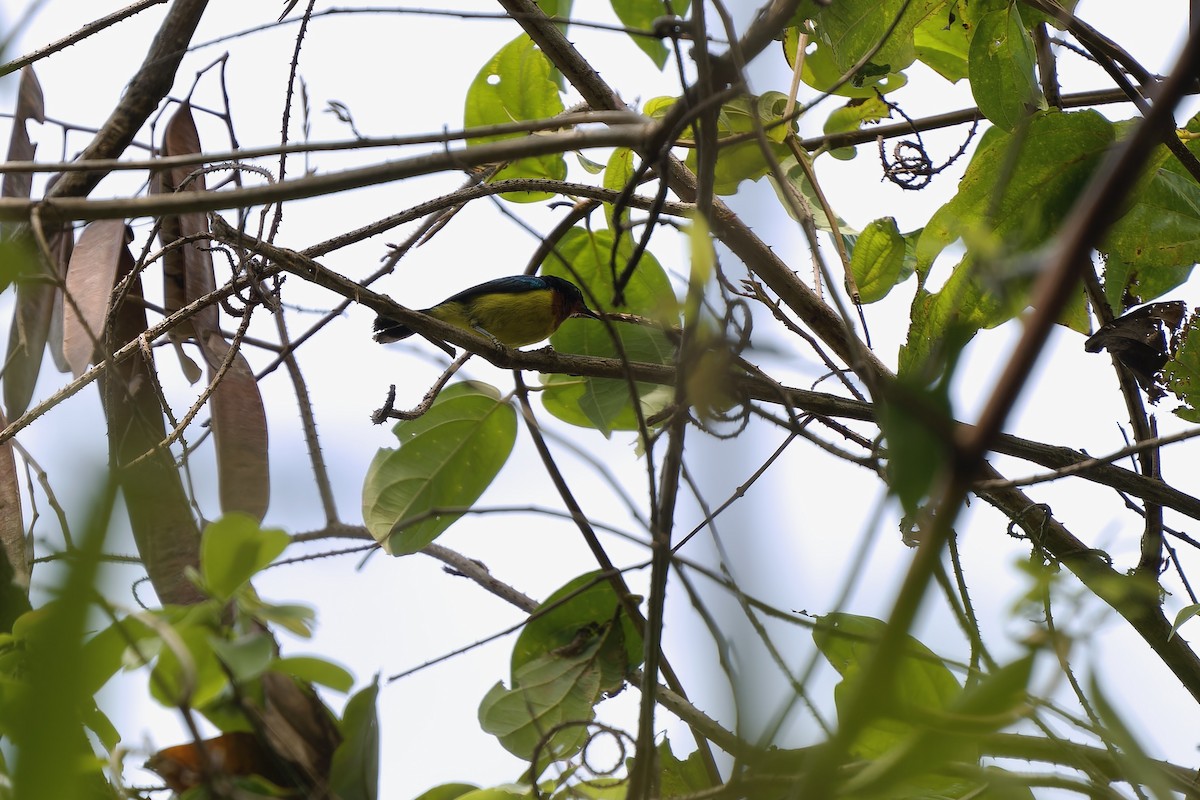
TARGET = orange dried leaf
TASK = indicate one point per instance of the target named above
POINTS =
(90, 277)
(236, 754)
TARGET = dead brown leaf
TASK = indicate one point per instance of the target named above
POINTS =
(90, 277)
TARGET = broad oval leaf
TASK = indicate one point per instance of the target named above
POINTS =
(1058, 154)
(191, 677)
(1003, 82)
(604, 403)
(517, 84)
(545, 714)
(446, 458)
(577, 610)
(878, 259)
(233, 549)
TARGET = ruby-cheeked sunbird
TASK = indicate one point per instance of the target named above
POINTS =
(516, 311)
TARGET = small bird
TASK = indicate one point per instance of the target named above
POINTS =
(514, 311)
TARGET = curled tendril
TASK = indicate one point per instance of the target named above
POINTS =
(910, 166)
(588, 771)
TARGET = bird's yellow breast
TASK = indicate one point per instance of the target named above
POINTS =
(515, 318)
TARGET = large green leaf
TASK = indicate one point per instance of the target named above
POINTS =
(604, 403)
(617, 174)
(582, 609)
(545, 715)
(1012, 204)
(1152, 248)
(517, 84)
(1006, 204)
(1003, 82)
(850, 29)
(446, 458)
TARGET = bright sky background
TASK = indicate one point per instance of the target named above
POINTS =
(791, 539)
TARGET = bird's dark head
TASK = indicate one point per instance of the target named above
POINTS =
(569, 300)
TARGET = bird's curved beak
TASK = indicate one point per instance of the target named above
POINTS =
(581, 310)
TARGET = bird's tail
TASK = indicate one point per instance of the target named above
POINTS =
(389, 330)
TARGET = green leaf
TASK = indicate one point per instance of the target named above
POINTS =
(821, 72)
(604, 403)
(920, 682)
(311, 669)
(942, 41)
(850, 29)
(617, 174)
(851, 117)
(743, 159)
(1132, 760)
(1185, 614)
(1157, 241)
(878, 259)
(1002, 60)
(193, 676)
(1006, 204)
(585, 607)
(912, 420)
(233, 549)
(447, 791)
(517, 84)
(681, 778)
(103, 654)
(354, 774)
(447, 458)
(497, 793)
(544, 716)
(297, 619)
(1017, 208)
(247, 657)
(640, 14)
(795, 174)
(1182, 377)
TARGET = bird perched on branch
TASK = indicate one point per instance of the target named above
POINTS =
(514, 311)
